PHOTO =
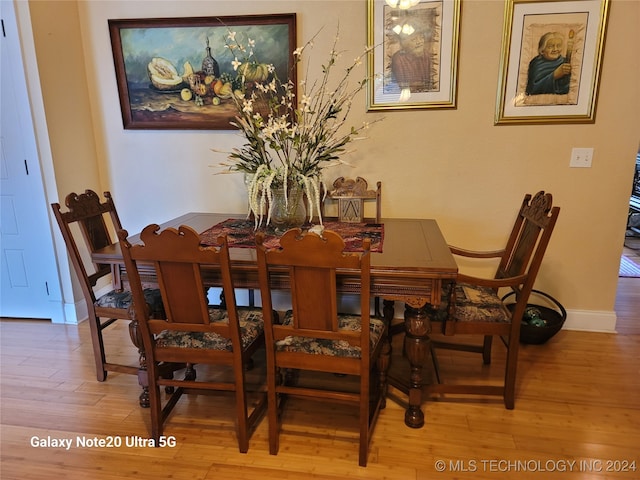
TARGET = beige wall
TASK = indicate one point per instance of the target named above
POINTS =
(452, 165)
(65, 95)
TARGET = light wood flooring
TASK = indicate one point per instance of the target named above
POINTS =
(577, 401)
(628, 293)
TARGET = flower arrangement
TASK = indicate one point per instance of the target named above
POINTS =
(289, 140)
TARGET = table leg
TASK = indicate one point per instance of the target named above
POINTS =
(388, 312)
(416, 347)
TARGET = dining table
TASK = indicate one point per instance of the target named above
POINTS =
(411, 265)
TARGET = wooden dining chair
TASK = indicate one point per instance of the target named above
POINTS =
(192, 332)
(87, 226)
(350, 196)
(473, 305)
(314, 337)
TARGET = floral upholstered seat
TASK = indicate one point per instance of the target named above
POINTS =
(251, 327)
(473, 303)
(122, 299)
(338, 348)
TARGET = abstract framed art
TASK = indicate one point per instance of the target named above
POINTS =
(180, 73)
(551, 60)
(413, 56)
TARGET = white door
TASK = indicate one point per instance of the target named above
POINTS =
(29, 282)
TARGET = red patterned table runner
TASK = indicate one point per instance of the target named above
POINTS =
(241, 234)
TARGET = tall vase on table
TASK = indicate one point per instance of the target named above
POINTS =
(292, 130)
(288, 209)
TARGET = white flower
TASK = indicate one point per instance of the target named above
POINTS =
(247, 106)
(236, 64)
(305, 101)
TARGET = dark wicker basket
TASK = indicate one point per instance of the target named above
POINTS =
(534, 335)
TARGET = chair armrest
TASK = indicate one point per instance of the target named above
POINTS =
(491, 282)
(476, 254)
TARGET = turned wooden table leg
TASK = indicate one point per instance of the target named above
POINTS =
(384, 361)
(388, 310)
(388, 313)
(416, 346)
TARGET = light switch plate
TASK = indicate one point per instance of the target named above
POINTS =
(581, 157)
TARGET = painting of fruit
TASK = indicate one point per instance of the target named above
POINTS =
(163, 67)
(254, 72)
(163, 74)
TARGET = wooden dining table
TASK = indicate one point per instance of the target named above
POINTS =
(414, 264)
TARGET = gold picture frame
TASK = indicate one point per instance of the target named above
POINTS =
(551, 60)
(413, 54)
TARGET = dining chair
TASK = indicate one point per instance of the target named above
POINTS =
(192, 332)
(87, 226)
(473, 305)
(314, 337)
(350, 196)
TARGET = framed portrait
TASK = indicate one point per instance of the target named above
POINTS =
(413, 56)
(551, 59)
(182, 73)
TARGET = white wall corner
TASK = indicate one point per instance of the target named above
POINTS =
(591, 321)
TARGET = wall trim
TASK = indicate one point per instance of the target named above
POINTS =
(582, 320)
(591, 321)
(74, 313)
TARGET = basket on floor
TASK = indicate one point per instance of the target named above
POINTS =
(553, 320)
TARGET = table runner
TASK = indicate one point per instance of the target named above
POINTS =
(241, 234)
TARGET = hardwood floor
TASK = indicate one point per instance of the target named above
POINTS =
(577, 401)
(628, 293)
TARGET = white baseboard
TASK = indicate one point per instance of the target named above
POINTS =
(583, 320)
(74, 313)
(591, 321)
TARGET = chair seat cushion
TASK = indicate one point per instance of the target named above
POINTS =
(122, 299)
(473, 303)
(338, 348)
(251, 327)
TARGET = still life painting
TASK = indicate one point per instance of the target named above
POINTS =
(179, 73)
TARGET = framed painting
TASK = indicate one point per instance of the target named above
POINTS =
(551, 58)
(182, 73)
(413, 54)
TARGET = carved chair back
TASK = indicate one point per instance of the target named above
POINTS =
(98, 223)
(351, 196)
(311, 262)
(529, 238)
